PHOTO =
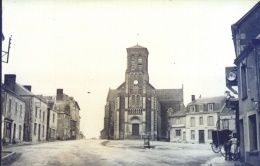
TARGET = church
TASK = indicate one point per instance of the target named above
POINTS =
(136, 109)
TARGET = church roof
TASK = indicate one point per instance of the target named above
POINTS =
(178, 113)
(170, 94)
(112, 94)
(137, 46)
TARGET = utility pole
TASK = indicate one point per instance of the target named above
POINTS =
(1, 112)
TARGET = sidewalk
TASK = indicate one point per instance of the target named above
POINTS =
(220, 161)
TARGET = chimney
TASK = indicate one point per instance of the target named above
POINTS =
(59, 95)
(28, 87)
(10, 81)
(192, 97)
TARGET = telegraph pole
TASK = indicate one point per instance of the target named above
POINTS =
(1, 112)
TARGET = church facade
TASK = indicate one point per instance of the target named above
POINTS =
(136, 109)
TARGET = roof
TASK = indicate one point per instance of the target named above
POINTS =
(208, 100)
(179, 113)
(247, 14)
(227, 112)
(112, 94)
(137, 46)
(170, 94)
(22, 91)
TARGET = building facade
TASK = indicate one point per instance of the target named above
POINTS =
(203, 115)
(68, 125)
(52, 119)
(246, 39)
(136, 109)
(13, 113)
(35, 110)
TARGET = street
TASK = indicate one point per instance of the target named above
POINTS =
(103, 152)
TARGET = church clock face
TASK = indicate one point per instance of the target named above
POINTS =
(135, 82)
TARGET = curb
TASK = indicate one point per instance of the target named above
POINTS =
(9, 158)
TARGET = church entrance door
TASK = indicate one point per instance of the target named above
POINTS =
(135, 129)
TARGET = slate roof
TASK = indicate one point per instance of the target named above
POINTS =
(112, 94)
(170, 94)
(247, 14)
(22, 91)
(179, 113)
(215, 99)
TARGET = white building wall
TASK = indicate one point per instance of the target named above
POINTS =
(205, 127)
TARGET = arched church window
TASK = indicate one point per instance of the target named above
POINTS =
(133, 64)
(133, 100)
(140, 60)
(138, 98)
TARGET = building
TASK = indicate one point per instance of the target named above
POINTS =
(68, 116)
(52, 119)
(203, 115)
(136, 109)
(246, 74)
(35, 110)
(177, 124)
(13, 113)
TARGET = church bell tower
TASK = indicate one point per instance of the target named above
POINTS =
(136, 79)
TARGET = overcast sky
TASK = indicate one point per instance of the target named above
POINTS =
(80, 46)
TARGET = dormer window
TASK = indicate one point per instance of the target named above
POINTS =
(210, 107)
(201, 108)
(192, 108)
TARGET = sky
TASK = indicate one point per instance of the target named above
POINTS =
(80, 46)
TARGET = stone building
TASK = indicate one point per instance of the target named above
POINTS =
(136, 109)
(203, 115)
(68, 125)
(35, 110)
(13, 112)
(246, 39)
(52, 119)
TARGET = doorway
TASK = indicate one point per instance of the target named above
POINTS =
(135, 129)
(201, 136)
(39, 132)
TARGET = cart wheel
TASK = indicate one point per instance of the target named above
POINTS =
(215, 148)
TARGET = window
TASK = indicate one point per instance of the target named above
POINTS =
(225, 123)
(178, 132)
(43, 131)
(140, 60)
(53, 119)
(35, 112)
(35, 128)
(210, 107)
(43, 116)
(192, 134)
(20, 132)
(140, 66)
(133, 65)
(209, 134)
(16, 108)
(192, 122)
(192, 108)
(10, 106)
(210, 121)
(40, 114)
(133, 100)
(243, 82)
(177, 120)
(201, 120)
(21, 110)
(252, 132)
(138, 100)
(201, 108)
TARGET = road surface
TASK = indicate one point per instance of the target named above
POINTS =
(115, 153)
